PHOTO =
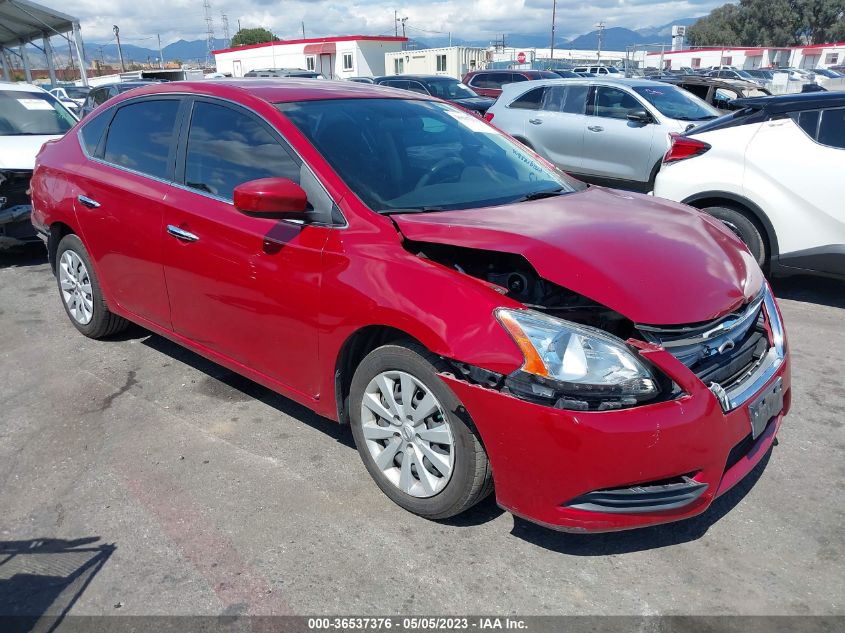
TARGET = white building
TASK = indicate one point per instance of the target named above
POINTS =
(452, 61)
(524, 57)
(334, 57)
(809, 57)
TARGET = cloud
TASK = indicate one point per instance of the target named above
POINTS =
(141, 21)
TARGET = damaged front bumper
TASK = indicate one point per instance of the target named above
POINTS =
(15, 227)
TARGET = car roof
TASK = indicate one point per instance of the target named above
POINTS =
(279, 90)
(605, 80)
(20, 87)
(417, 77)
(794, 102)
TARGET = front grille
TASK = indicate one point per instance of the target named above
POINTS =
(13, 186)
(723, 351)
(648, 497)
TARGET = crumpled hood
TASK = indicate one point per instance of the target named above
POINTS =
(653, 261)
(18, 152)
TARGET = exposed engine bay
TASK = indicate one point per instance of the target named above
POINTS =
(518, 280)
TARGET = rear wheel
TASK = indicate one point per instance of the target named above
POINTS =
(80, 291)
(744, 228)
(413, 434)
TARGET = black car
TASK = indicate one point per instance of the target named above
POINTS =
(296, 73)
(101, 94)
(446, 88)
(565, 73)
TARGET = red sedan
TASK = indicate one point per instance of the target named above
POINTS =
(603, 360)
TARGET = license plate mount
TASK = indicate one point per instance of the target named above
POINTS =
(767, 405)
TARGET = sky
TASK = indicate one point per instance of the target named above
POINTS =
(141, 20)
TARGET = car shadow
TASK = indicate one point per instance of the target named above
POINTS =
(45, 577)
(247, 387)
(642, 539)
(819, 290)
(21, 256)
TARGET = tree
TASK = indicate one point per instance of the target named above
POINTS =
(245, 37)
(771, 23)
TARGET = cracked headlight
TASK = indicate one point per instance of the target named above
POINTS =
(576, 366)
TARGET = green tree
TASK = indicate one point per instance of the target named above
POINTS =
(771, 23)
(245, 37)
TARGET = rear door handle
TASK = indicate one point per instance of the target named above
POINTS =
(535, 121)
(181, 234)
(88, 202)
(595, 128)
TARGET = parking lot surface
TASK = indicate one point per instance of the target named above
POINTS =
(165, 484)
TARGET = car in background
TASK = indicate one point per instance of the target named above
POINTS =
(488, 83)
(100, 94)
(297, 73)
(772, 171)
(445, 88)
(564, 73)
(597, 70)
(29, 117)
(361, 80)
(71, 96)
(738, 75)
(720, 93)
(829, 79)
(604, 130)
(396, 264)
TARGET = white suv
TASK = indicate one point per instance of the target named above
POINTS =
(774, 172)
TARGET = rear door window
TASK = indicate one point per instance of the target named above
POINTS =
(571, 99)
(141, 136)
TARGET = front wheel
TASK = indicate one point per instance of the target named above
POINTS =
(413, 434)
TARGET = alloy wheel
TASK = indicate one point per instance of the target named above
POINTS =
(407, 434)
(76, 287)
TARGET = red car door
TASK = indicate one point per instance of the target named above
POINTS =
(120, 206)
(247, 288)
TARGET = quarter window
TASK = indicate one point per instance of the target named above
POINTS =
(530, 100)
(832, 128)
(227, 148)
(347, 61)
(92, 132)
(140, 136)
(613, 103)
(441, 63)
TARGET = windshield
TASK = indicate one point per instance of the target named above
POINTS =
(449, 89)
(744, 74)
(398, 154)
(32, 113)
(675, 103)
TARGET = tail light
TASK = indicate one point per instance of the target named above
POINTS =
(684, 147)
(488, 116)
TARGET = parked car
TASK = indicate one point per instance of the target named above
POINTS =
(738, 75)
(100, 94)
(298, 73)
(397, 264)
(564, 73)
(720, 93)
(608, 131)
(772, 172)
(362, 80)
(71, 96)
(488, 83)
(29, 116)
(597, 70)
(445, 88)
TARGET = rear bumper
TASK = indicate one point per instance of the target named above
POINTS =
(615, 470)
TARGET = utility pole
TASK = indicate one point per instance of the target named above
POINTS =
(119, 49)
(209, 31)
(396, 23)
(160, 54)
(303, 29)
(600, 27)
(554, 12)
(224, 19)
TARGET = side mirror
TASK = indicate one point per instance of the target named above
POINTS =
(639, 116)
(279, 198)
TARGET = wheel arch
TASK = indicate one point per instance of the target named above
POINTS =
(735, 201)
(57, 231)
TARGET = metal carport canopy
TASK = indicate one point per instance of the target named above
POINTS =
(23, 22)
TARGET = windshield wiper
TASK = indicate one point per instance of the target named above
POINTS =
(412, 210)
(539, 195)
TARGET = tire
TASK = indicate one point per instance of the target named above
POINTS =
(80, 292)
(745, 229)
(407, 364)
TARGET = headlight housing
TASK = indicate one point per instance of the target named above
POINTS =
(575, 366)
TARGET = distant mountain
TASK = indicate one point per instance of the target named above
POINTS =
(665, 30)
(181, 50)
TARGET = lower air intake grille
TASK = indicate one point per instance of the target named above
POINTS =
(653, 497)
